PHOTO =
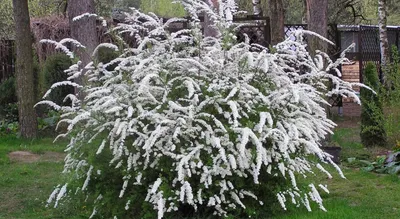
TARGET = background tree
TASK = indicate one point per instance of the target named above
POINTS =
(24, 70)
(277, 17)
(317, 21)
(83, 30)
(209, 30)
(163, 8)
(369, 11)
(107, 8)
(126, 4)
(6, 20)
(345, 12)
(383, 38)
(37, 8)
(257, 10)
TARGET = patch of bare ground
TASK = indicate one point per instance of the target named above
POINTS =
(29, 157)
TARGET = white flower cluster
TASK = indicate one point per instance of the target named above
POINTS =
(187, 106)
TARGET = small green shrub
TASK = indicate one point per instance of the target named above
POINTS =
(53, 71)
(106, 55)
(47, 123)
(8, 128)
(372, 118)
(7, 92)
(9, 112)
(8, 99)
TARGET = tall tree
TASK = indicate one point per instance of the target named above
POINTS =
(24, 70)
(383, 38)
(209, 29)
(257, 9)
(317, 21)
(392, 8)
(84, 30)
(277, 16)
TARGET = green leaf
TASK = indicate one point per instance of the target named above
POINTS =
(394, 170)
(368, 168)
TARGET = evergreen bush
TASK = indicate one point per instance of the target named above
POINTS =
(190, 125)
(7, 92)
(53, 72)
(106, 55)
(372, 118)
(8, 101)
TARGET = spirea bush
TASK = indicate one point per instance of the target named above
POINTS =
(185, 121)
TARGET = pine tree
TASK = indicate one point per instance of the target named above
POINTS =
(372, 118)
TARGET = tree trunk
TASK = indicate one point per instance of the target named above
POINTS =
(317, 21)
(257, 10)
(24, 70)
(383, 38)
(209, 29)
(277, 17)
(305, 13)
(83, 30)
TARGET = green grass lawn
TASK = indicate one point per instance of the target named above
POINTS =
(361, 195)
(25, 187)
(9, 144)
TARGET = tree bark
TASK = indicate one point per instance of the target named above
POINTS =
(83, 30)
(209, 29)
(277, 16)
(317, 21)
(257, 10)
(24, 70)
(383, 38)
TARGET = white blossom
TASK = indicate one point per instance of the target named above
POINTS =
(201, 111)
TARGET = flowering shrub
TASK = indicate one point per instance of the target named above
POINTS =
(185, 120)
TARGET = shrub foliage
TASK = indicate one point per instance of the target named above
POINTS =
(53, 72)
(7, 91)
(191, 123)
(8, 102)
